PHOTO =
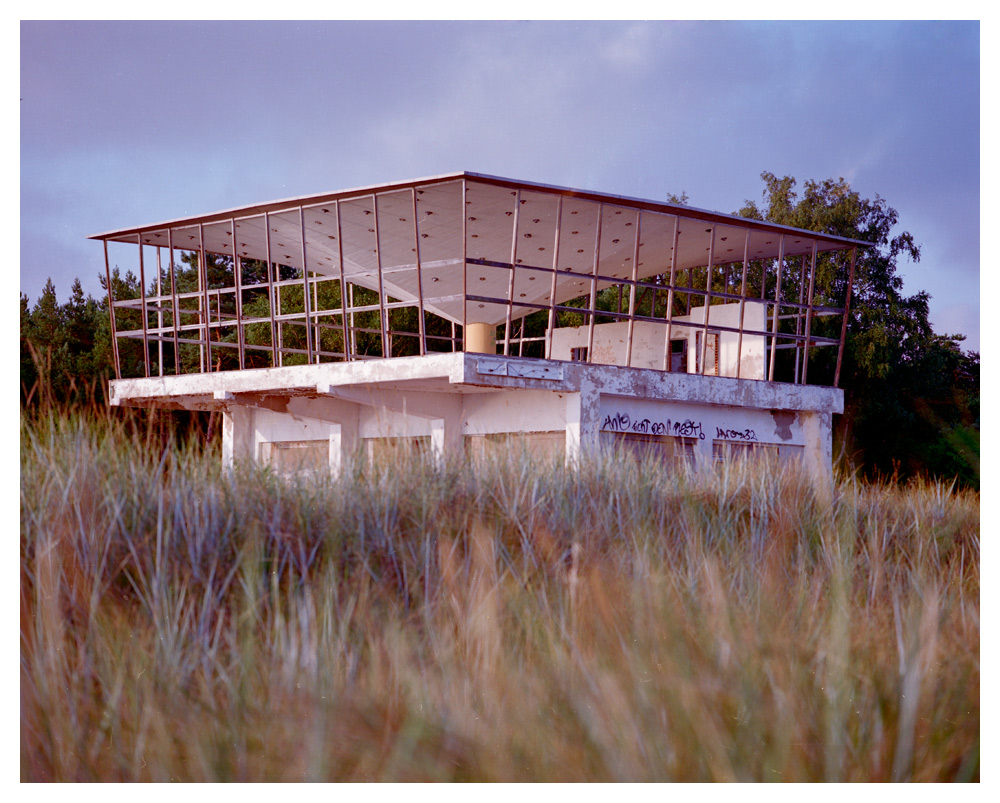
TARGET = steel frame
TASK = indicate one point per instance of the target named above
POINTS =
(197, 317)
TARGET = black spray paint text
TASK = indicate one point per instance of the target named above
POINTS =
(622, 422)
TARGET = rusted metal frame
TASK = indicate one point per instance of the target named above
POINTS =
(310, 350)
(203, 301)
(667, 354)
(631, 296)
(513, 269)
(354, 320)
(317, 330)
(238, 279)
(847, 310)
(159, 311)
(465, 265)
(273, 294)
(111, 312)
(809, 314)
(798, 319)
(174, 302)
(383, 314)
(420, 282)
(343, 285)
(550, 329)
(708, 298)
(274, 297)
(593, 283)
(690, 289)
(142, 292)
(763, 280)
(777, 305)
(743, 301)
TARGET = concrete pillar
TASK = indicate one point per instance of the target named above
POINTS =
(817, 456)
(336, 456)
(437, 439)
(447, 439)
(237, 436)
(583, 411)
(481, 338)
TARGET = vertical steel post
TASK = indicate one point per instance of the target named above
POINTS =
(743, 301)
(354, 320)
(549, 333)
(777, 307)
(690, 288)
(708, 299)
(798, 319)
(667, 354)
(343, 285)
(593, 284)
(843, 328)
(420, 282)
(159, 311)
(142, 304)
(111, 312)
(465, 264)
(381, 286)
(274, 297)
(317, 326)
(305, 287)
(513, 267)
(809, 313)
(173, 297)
(237, 276)
(203, 302)
(631, 295)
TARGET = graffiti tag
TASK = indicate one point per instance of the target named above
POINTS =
(622, 422)
(735, 434)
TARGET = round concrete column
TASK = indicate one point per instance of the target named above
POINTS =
(481, 338)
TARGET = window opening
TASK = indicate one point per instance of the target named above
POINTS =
(679, 355)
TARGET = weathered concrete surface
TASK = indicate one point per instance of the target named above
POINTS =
(649, 341)
(448, 397)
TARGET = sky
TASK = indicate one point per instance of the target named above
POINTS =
(129, 123)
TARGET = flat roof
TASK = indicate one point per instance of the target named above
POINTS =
(479, 238)
(251, 210)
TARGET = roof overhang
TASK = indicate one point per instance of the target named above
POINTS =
(377, 236)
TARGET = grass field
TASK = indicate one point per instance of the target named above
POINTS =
(499, 620)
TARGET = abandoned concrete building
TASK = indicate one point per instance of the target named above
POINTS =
(458, 310)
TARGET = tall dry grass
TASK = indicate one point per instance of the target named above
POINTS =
(499, 620)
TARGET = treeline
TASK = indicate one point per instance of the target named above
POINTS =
(911, 395)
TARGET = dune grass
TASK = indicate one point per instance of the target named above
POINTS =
(502, 619)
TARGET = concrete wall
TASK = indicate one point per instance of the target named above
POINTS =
(648, 341)
(449, 403)
(704, 428)
(544, 422)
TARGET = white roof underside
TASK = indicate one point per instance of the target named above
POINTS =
(370, 231)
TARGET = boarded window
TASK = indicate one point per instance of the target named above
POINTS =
(293, 457)
(732, 450)
(661, 447)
